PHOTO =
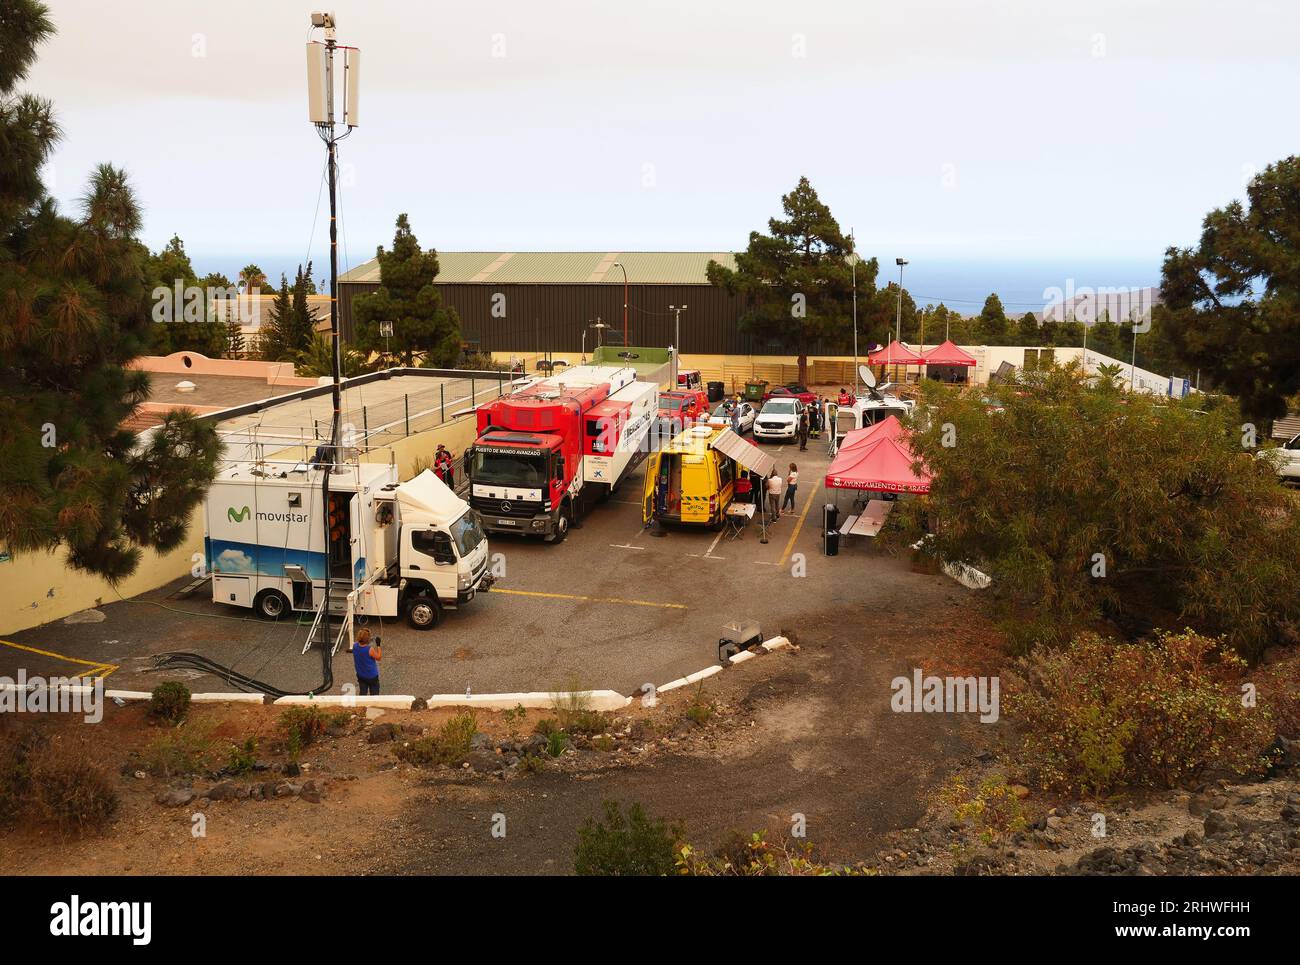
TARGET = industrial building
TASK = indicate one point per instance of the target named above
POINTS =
(532, 301)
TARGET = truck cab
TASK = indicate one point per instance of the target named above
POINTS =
(520, 482)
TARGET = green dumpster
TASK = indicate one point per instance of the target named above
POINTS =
(755, 390)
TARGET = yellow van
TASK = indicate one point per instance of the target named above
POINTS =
(690, 482)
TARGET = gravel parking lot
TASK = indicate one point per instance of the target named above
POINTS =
(611, 607)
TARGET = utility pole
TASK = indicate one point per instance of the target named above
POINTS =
(320, 108)
(320, 104)
(619, 264)
(898, 324)
(853, 270)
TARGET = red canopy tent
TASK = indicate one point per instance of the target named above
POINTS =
(887, 428)
(881, 463)
(895, 353)
(948, 354)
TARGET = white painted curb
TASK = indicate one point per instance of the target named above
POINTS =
(236, 698)
(389, 701)
(592, 699)
(967, 576)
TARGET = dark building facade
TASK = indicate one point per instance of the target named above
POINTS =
(544, 301)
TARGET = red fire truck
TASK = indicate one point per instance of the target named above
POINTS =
(546, 454)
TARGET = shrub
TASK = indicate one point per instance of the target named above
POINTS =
(242, 757)
(755, 856)
(573, 711)
(625, 845)
(169, 701)
(53, 782)
(700, 710)
(305, 723)
(178, 753)
(1097, 715)
(450, 745)
(69, 790)
(992, 808)
(556, 742)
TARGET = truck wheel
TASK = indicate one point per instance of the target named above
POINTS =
(717, 524)
(271, 604)
(561, 525)
(423, 612)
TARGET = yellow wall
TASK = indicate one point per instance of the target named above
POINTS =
(733, 370)
(38, 588)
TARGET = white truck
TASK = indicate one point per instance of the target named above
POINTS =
(412, 548)
(1285, 459)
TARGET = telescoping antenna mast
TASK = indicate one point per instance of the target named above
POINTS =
(320, 105)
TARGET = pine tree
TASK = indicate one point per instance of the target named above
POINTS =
(797, 282)
(993, 327)
(423, 330)
(302, 319)
(74, 310)
(273, 338)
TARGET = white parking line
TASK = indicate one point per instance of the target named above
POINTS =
(626, 546)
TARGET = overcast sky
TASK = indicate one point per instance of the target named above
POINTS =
(944, 128)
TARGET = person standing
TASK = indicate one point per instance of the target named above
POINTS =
(803, 430)
(774, 495)
(365, 658)
(791, 486)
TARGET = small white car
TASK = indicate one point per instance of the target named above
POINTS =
(1285, 459)
(779, 420)
(721, 415)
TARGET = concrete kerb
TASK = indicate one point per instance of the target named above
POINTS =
(600, 700)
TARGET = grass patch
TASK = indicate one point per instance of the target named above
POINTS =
(450, 745)
(178, 753)
(54, 783)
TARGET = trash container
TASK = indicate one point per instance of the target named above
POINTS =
(755, 389)
(830, 526)
(716, 391)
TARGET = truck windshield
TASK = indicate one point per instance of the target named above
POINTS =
(523, 468)
(467, 533)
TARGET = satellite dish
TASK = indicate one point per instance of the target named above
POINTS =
(868, 377)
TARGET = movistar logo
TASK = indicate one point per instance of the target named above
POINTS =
(238, 517)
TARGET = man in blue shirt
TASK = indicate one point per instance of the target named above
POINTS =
(365, 658)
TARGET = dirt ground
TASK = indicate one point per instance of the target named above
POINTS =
(805, 732)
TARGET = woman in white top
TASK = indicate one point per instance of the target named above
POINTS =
(791, 484)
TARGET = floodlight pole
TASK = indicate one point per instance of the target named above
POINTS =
(853, 269)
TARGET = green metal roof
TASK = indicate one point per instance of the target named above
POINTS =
(564, 267)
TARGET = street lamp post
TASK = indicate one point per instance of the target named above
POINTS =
(898, 323)
(677, 311)
(853, 270)
(619, 264)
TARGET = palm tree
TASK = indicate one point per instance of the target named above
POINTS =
(317, 359)
(1110, 375)
(251, 277)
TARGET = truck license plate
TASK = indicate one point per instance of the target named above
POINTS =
(507, 522)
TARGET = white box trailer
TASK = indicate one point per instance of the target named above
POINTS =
(414, 548)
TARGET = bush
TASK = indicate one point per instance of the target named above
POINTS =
(55, 783)
(302, 725)
(169, 701)
(450, 745)
(992, 808)
(625, 846)
(178, 753)
(1096, 715)
(556, 742)
(573, 712)
(242, 757)
(756, 857)
(69, 790)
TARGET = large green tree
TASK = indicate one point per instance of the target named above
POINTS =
(1084, 502)
(423, 331)
(1233, 301)
(74, 311)
(796, 281)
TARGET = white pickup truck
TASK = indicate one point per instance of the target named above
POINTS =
(1285, 459)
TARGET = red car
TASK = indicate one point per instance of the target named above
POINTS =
(792, 391)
